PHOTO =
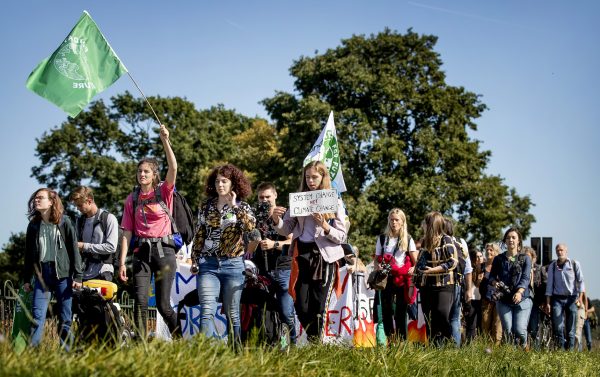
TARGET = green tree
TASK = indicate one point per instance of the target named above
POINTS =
(102, 145)
(12, 258)
(404, 137)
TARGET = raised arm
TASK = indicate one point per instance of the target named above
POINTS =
(171, 161)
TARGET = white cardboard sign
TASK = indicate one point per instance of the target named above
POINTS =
(308, 202)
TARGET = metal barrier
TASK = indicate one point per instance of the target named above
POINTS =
(8, 299)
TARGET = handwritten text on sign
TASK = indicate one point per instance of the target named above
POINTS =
(318, 201)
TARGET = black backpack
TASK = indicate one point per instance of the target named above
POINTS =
(182, 219)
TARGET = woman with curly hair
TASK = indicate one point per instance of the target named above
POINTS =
(218, 250)
(317, 246)
(52, 257)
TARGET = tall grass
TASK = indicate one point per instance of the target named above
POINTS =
(204, 357)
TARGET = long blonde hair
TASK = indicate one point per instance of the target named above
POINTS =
(433, 230)
(403, 236)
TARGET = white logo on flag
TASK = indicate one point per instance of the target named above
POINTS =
(326, 150)
(72, 51)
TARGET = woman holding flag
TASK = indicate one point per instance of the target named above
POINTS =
(316, 245)
(154, 247)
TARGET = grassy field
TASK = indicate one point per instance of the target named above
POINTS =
(201, 357)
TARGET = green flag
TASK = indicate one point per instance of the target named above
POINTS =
(81, 67)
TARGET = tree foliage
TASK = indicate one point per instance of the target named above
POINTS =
(404, 136)
(11, 258)
(101, 146)
(405, 139)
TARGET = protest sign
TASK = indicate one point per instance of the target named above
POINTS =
(309, 202)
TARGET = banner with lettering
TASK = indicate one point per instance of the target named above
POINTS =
(184, 289)
(348, 320)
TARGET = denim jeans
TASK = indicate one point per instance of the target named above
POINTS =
(514, 319)
(564, 312)
(455, 315)
(587, 333)
(220, 277)
(147, 262)
(63, 292)
(281, 280)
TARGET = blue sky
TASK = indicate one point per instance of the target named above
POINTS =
(533, 62)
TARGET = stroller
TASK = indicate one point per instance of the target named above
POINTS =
(97, 316)
(260, 310)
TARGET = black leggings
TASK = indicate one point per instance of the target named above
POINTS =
(313, 287)
(436, 303)
(145, 263)
(390, 296)
(473, 320)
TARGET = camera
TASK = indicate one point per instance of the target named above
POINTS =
(501, 291)
(385, 269)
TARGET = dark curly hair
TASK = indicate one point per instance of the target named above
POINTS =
(239, 183)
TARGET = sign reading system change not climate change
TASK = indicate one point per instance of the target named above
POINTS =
(308, 202)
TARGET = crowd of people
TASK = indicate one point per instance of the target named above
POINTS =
(502, 296)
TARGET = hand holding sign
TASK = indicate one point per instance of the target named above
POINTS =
(320, 220)
(277, 214)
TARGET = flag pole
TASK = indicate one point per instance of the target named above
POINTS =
(143, 95)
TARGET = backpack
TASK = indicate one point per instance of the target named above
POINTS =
(459, 271)
(182, 219)
(101, 218)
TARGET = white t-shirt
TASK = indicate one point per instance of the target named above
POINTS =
(391, 246)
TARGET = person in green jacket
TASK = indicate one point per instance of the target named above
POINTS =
(52, 258)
